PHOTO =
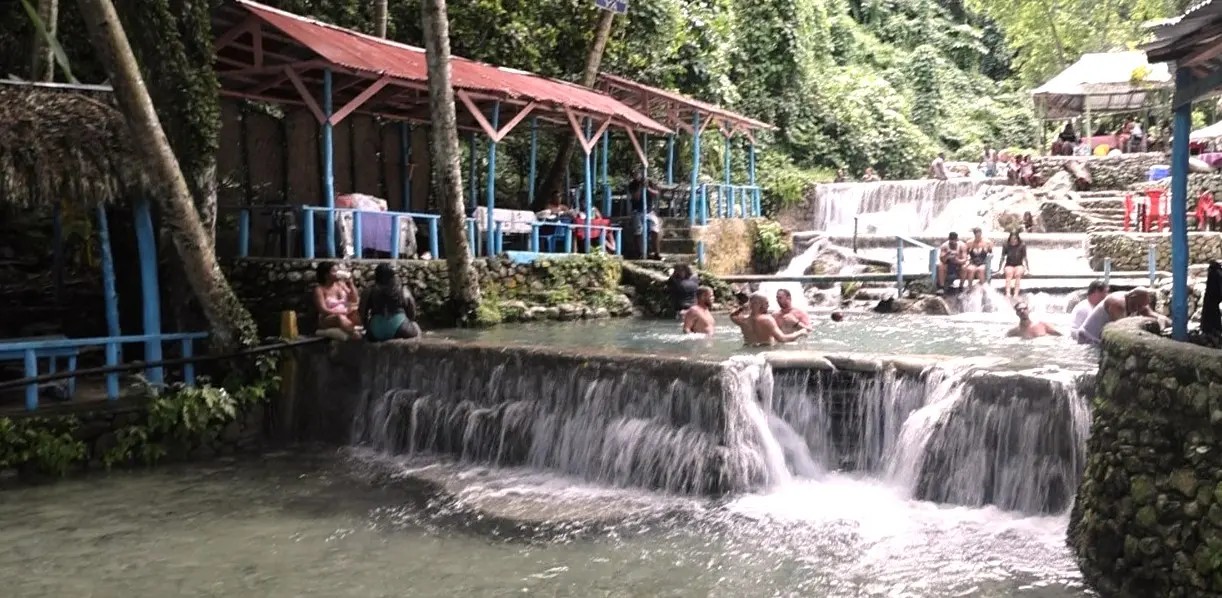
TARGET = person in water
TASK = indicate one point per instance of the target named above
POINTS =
(951, 257)
(789, 318)
(1014, 263)
(1094, 294)
(335, 299)
(979, 252)
(1116, 306)
(1028, 328)
(388, 308)
(681, 287)
(758, 326)
(698, 319)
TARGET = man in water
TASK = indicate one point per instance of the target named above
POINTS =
(698, 319)
(951, 257)
(1030, 329)
(789, 318)
(759, 327)
(1094, 294)
(1116, 306)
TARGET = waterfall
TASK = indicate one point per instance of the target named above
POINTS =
(887, 207)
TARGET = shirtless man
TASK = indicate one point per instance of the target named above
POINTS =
(951, 257)
(1027, 328)
(1116, 306)
(789, 318)
(698, 319)
(759, 327)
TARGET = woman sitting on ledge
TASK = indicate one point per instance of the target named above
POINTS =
(335, 300)
(388, 308)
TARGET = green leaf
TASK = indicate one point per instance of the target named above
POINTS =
(60, 57)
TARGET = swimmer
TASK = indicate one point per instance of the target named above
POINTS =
(1117, 306)
(837, 316)
(698, 319)
(759, 328)
(1027, 328)
(789, 318)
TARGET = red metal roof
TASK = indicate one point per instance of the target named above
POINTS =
(359, 52)
(681, 100)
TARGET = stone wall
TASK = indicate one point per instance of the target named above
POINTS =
(1108, 172)
(1148, 516)
(1129, 250)
(569, 287)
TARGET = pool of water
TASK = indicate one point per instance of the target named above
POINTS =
(319, 523)
(969, 334)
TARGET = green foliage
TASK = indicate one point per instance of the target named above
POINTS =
(770, 245)
(46, 446)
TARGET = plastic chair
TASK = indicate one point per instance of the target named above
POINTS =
(1156, 213)
(555, 235)
(1128, 211)
(1206, 210)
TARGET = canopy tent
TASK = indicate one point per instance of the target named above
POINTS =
(1103, 83)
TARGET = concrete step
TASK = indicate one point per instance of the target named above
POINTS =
(1103, 202)
(679, 258)
(678, 246)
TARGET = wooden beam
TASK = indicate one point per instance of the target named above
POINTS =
(257, 33)
(270, 83)
(269, 69)
(1200, 56)
(581, 136)
(360, 99)
(1196, 88)
(246, 26)
(513, 122)
(636, 145)
(305, 94)
(475, 112)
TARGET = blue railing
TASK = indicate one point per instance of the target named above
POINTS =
(732, 201)
(899, 261)
(358, 229)
(52, 349)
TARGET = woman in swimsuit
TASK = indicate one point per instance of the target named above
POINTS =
(1014, 263)
(336, 301)
(388, 308)
(979, 250)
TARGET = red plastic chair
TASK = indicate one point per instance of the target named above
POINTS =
(1156, 213)
(1128, 211)
(1205, 204)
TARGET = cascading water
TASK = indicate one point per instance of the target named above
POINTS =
(891, 207)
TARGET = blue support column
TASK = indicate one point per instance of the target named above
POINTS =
(1179, 211)
(474, 180)
(670, 159)
(492, 236)
(644, 199)
(405, 164)
(755, 192)
(588, 174)
(694, 202)
(150, 290)
(328, 161)
(606, 183)
(109, 296)
(244, 232)
(727, 191)
(534, 160)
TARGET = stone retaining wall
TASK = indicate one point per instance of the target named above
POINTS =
(1108, 172)
(1148, 516)
(566, 288)
(1129, 250)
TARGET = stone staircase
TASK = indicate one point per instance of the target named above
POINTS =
(1104, 210)
(678, 245)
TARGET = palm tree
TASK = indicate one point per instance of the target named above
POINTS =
(228, 319)
(379, 18)
(464, 284)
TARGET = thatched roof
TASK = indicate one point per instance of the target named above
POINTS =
(66, 143)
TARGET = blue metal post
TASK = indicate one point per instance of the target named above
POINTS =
(472, 236)
(491, 235)
(307, 233)
(695, 178)
(188, 369)
(244, 232)
(670, 159)
(933, 267)
(534, 159)
(109, 296)
(405, 164)
(434, 249)
(1179, 211)
(606, 178)
(150, 290)
(728, 191)
(899, 269)
(588, 167)
(644, 199)
(358, 235)
(1107, 270)
(755, 192)
(395, 241)
(474, 181)
(328, 161)
(112, 379)
(31, 370)
(1151, 261)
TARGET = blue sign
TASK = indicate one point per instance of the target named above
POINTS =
(616, 6)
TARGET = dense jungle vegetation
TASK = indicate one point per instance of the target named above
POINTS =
(850, 83)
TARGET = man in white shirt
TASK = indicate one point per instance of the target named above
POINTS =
(1094, 294)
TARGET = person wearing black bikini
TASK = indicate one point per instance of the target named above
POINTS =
(1014, 263)
(979, 251)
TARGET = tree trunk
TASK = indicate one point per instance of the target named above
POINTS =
(230, 323)
(464, 284)
(379, 17)
(43, 61)
(564, 153)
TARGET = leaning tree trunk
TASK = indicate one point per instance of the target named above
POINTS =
(230, 323)
(464, 285)
(564, 153)
(42, 67)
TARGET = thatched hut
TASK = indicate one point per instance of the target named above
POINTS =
(61, 143)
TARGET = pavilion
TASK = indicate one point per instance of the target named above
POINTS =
(1103, 83)
(1192, 42)
(274, 56)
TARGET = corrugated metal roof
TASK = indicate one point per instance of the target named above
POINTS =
(1104, 82)
(682, 100)
(359, 52)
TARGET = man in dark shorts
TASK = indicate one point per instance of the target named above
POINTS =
(951, 258)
